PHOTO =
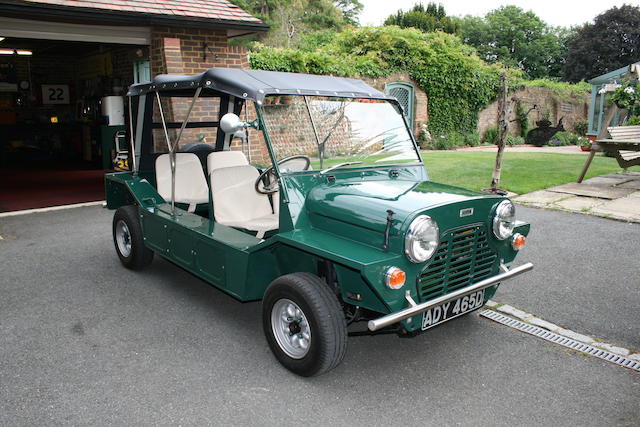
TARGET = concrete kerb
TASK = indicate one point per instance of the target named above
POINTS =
(536, 321)
(51, 209)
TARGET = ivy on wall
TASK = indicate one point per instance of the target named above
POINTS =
(457, 83)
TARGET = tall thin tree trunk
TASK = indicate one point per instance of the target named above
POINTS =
(503, 127)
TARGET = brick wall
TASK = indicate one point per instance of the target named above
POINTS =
(571, 110)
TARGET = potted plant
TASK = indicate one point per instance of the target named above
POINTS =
(626, 96)
(584, 144)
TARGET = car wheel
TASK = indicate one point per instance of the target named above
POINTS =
(304, 324)
(128, 239)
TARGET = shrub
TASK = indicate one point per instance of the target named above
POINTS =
(565, 138)
(514, 140)
(581, 127)
(491, 135)
(447, 142)
(568, 91)
(472, 139)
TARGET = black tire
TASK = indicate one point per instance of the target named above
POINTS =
(138, 256)
(320, 307)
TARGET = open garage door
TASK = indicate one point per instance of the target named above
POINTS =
(61, 108)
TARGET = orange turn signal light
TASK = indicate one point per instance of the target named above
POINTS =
(395, 278)
(518, 241)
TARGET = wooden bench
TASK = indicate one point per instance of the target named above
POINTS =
(623, 142)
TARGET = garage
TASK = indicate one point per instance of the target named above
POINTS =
(62, 112)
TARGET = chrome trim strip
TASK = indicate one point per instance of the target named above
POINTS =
(412, 310)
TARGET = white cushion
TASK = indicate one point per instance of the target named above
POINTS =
(236, 202)
(225, 159)
(191, 184)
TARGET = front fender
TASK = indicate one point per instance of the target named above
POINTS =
(360, 268)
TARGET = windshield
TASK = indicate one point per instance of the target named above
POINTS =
(331, 131)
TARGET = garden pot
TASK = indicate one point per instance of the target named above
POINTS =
(585, 147)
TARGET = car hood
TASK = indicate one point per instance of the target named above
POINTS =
(365, 203)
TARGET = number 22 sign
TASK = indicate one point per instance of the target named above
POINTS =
(55, 94)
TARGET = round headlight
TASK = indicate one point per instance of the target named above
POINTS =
(505, 219)
(421, 240)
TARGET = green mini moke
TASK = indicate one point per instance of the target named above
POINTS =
(317, 203)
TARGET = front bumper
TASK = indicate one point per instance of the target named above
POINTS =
(414, 308)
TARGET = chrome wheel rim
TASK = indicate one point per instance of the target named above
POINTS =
(123, 238)
(290, 328)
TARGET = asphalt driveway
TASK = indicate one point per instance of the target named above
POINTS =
(84, 341)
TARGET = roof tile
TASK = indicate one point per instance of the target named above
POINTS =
(213, 9)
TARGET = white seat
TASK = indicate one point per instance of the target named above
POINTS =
(191, 184)
(236, 202)
(225, 159)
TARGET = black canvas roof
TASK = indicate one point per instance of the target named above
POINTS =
(255, 85)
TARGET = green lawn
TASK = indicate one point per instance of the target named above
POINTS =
(521, 172)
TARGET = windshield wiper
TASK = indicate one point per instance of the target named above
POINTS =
(339, 165)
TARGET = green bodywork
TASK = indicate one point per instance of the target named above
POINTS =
(341, 218)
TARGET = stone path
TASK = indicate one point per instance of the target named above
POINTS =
(614, 196)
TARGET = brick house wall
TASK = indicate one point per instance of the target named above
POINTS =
(191, 51)
(571, 110)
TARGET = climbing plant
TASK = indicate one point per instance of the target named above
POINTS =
(523, 120)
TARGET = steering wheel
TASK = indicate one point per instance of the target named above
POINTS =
(299, 162)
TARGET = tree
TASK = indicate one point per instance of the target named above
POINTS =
(290, 19)
(431, 18)
(517, 39)
(611, 42)
(350, 10)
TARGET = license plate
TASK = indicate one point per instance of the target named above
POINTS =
(449, 310)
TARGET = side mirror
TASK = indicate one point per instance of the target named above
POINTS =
(230, 123)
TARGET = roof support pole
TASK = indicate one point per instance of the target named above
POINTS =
(134, 166)
(174, 146)
(315, 132)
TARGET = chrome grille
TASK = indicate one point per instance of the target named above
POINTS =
(463, 257)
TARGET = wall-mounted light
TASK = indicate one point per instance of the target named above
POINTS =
(1, 38)
(16, 52)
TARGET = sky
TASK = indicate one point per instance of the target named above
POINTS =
(563, 13)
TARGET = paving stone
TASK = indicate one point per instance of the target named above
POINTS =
(593, 190)
(634, 184)
(616, 175)
(579, 203)
(576, 336)
(543, 324)
(507, 309)
(627, 208)
(540, 197)
(607, 180)
(491, 303)
(613, 348)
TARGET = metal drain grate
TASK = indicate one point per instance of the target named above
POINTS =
(561, 340)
